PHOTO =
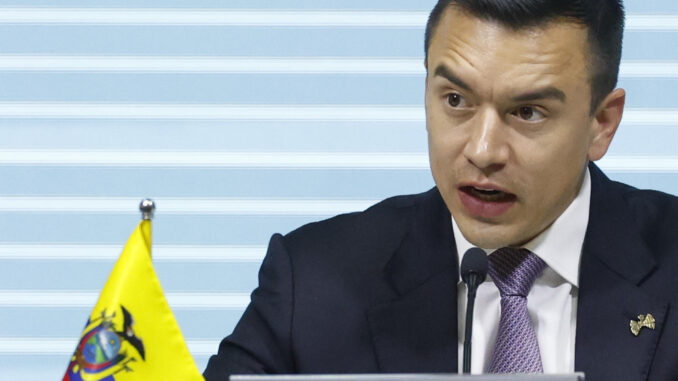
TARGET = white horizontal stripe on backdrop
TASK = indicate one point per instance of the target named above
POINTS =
(267, 65)
(264, 18)
(212, 111)
(212, 17)
(281, 160)
(161, 253)
(163, 111)
(218, 159)
(210, 65)
(220, 206)
(66, 346)
(87, 299)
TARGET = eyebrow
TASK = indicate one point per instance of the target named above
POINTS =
(446, 73)
(545, 93)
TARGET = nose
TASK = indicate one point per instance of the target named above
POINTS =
(487, 147)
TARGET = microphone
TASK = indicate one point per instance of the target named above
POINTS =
(473, 272)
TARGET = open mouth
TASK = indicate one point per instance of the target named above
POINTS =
(486, 203)
(488, 195)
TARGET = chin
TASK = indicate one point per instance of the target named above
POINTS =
(489, 238)
(487, 243)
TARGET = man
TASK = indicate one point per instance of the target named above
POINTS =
(520, 100)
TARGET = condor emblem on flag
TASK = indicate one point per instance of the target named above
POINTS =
(106, 348)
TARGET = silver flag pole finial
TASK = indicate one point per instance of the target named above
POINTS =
(147, 208)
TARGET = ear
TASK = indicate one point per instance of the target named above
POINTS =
(605, 123)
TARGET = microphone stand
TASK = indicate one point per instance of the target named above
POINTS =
(473, 270)
(468, 331)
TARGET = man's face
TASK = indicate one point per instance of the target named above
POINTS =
(509, 124)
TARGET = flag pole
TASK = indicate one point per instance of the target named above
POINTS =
(147, 208)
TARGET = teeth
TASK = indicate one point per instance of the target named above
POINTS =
(488, 194)
(490, 191)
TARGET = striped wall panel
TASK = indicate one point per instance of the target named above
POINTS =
(240, 120)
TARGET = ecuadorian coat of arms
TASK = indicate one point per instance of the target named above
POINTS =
(107, 347)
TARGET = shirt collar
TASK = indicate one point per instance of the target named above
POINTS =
(560, 245)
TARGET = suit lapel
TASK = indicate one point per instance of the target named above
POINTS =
(416, 330)
(615, 261)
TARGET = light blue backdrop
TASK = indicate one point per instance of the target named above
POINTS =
(240, 118)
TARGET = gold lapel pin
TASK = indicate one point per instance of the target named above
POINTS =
(643, 321)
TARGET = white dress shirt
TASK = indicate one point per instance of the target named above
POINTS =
(552, 301)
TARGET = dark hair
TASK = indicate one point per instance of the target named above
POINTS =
(604, 20)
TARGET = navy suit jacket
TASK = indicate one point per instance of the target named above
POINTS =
(376, 292)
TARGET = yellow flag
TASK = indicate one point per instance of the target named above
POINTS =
(131, 333)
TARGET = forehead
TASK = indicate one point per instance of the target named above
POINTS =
(555, 51)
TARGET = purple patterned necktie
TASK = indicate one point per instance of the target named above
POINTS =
(513, 272)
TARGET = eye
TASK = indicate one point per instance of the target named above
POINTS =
(456, 100)
(529, 114)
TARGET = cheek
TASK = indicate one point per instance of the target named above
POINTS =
(562, 147)
(550, 167)
(554, 171)
(445, 148)
(441, 158)
(555, 179)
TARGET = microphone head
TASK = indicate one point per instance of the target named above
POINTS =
(474, 261)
